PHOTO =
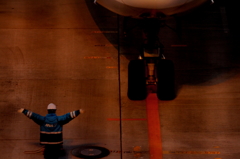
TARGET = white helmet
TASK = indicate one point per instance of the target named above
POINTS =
(51, 106)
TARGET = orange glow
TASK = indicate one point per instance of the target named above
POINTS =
(154, 131)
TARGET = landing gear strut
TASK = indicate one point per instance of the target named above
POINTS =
(151, 70)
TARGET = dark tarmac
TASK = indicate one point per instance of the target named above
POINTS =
(74, 54)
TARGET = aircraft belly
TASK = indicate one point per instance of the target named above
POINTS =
(132, 9)
(183, 8)
(154, 4)
(120, 8)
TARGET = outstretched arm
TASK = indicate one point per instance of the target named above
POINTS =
(64, 119)
(34, 116)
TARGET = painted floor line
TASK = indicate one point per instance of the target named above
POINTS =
(192, 152)
(154, 131)
(131, 119)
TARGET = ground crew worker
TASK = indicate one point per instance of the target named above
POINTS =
(51, 127)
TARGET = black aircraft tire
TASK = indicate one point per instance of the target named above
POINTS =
(166, 80)
(136, 80)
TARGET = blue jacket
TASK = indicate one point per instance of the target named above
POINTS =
(51, 125)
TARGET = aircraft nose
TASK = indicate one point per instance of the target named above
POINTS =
(154, 4)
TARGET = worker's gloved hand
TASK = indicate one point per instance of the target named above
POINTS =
(81, 111)
(20, 110)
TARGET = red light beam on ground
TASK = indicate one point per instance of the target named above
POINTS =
(154, 131)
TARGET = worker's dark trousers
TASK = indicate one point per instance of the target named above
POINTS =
(52, 151)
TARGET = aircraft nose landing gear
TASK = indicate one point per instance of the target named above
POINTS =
(137, 89)
(151, 73)
(166, 80)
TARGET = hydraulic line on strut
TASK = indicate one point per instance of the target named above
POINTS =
(151, 79)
